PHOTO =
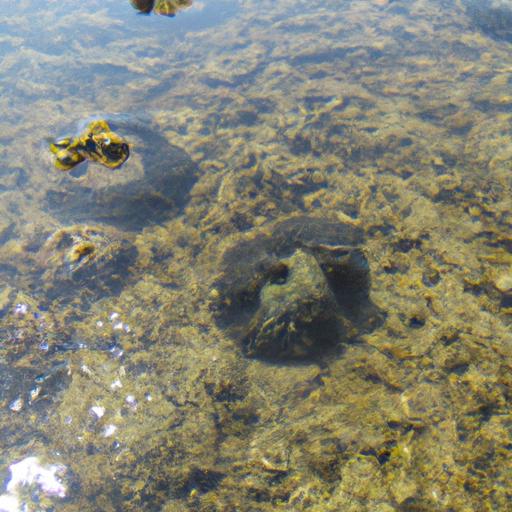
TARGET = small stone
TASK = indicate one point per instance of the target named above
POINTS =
(214, 294)
(109, 430)
(131, 401)
(116, 352)
(97, 411)
(21, 309)
(34, 393)
(117, 384)
(16, 405)
(504, 283)
(295, 288)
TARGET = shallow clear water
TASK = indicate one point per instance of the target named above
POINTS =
(120, 389)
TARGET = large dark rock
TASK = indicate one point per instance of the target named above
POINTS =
(295, 288)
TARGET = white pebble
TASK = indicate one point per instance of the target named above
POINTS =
(131, 401)
(117, 384)
(21, 309)
(34, 393)
(16, 405)
(109, 430)
(98, 411)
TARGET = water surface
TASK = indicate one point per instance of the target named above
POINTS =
(119, 391)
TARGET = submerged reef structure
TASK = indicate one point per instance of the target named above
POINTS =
(294, 288)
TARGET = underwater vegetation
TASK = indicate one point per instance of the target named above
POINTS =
(295, 294)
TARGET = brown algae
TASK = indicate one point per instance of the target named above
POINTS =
(393, 117)
(98, 144)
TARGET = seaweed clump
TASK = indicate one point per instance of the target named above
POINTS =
(162, 189)
(98, 144)
(162, 7)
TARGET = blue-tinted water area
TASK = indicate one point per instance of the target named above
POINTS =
(255, 255)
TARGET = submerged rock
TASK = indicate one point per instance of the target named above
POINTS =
(493, 17)
(162, 7)
(295, 288)
(94, 259)
(139, 197)
(143, 6)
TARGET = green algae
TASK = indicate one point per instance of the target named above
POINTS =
(393, 116)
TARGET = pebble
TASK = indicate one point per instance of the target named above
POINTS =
(21, 309)
(109, 430)
(34, 393)
(16, 405)
(504, 283)
(117, 384)
(97, 411)
(131, 401)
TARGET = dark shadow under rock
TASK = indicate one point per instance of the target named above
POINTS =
(163, 190)
(295, 288)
